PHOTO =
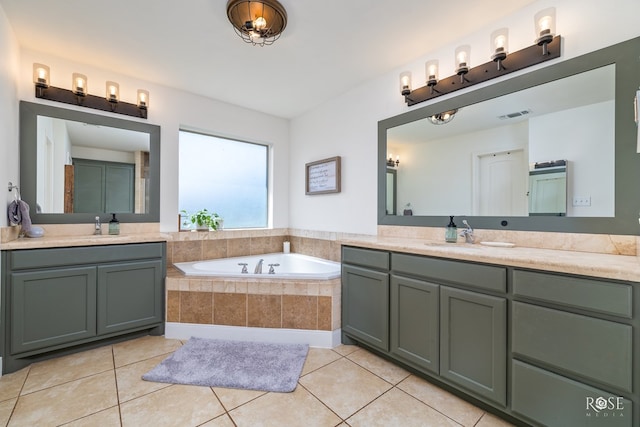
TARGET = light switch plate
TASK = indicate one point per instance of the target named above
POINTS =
(582, 201)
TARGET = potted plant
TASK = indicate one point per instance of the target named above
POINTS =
(204, 220)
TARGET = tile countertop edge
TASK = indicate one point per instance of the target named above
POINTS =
(618, 267)
(68, 241)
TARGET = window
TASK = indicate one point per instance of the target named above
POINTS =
(224, 176)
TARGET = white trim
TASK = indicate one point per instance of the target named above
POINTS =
(323, 339)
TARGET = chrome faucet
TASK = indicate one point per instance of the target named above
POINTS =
(273, 270)
(98, 228)
(258, 269)
(467, 233)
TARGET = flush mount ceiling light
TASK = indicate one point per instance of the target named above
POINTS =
(257, 22)
(442, 118)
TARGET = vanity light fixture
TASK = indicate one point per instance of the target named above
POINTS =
(393, 163)
(259, 22)
(507, 62)
(499, 46)
(79, 84)
(405, 83)
(431, 68)
(41, 75)
(545, 22)
(79, 94)
(113, 92)
(143, 99)
(463, 54)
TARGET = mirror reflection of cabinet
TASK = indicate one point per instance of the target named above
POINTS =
(103, 187)
(548, 191)
(392, 193)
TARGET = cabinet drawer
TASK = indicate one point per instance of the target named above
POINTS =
(474, 275)
(591, 348)
(554, 400)
(43, 258)
(366, 257)
(590, 294)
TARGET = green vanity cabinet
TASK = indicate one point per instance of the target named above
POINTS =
(450, 318)
(573, 341)
(52, 307)
(415, 332)
(130, 295)
(60, 300)
(542, 348)
(365, 296)
(473, 342)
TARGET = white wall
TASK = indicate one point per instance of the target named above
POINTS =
(347, 125)
(589, 149)
(453, 157)
(172, 109)
(9, 59)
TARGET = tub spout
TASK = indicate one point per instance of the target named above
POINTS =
(258, 269)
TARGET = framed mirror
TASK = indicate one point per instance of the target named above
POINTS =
(489, 163)
(75, 166)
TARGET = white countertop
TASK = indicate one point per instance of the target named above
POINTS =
(621, 267)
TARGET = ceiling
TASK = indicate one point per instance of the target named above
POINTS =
(327, 48)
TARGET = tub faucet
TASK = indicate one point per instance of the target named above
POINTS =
(258, 269)
(273, 270)
(98, 228)
(467, 233)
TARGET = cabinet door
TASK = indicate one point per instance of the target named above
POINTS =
(52, 307)
(365, 305)
(414, 322)
(473, 349)
(130, 295)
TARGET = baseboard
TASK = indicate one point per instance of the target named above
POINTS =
(323, 339)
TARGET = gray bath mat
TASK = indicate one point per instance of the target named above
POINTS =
(233, 364)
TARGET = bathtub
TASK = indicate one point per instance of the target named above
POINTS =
(292, 266)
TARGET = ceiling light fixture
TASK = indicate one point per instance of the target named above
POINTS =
(506, 62)
(442, 118)
(257, 22)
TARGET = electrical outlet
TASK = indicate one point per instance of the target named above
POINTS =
(582, 201)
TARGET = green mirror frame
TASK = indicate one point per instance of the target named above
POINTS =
(29, 113)
(626, 57)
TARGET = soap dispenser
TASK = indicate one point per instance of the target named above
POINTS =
(451, 233)
(114, 225)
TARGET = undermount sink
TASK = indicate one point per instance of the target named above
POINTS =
(499, 244)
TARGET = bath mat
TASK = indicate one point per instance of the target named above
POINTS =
(233, 364)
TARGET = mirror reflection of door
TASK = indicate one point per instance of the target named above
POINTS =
(502, 186)
(392, 197)
(103, 187)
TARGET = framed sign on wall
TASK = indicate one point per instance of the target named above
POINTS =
(323, 176)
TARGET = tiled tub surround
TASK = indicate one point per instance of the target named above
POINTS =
(290, 310)
(255, 303)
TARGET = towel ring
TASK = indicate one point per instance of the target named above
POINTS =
(17, 195)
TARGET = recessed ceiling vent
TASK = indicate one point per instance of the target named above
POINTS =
(514, 115)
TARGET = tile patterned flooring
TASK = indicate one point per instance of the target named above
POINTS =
(345, 386)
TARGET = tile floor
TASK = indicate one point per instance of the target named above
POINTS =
(346, 386)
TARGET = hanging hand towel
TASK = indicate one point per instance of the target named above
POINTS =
(18, 213)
